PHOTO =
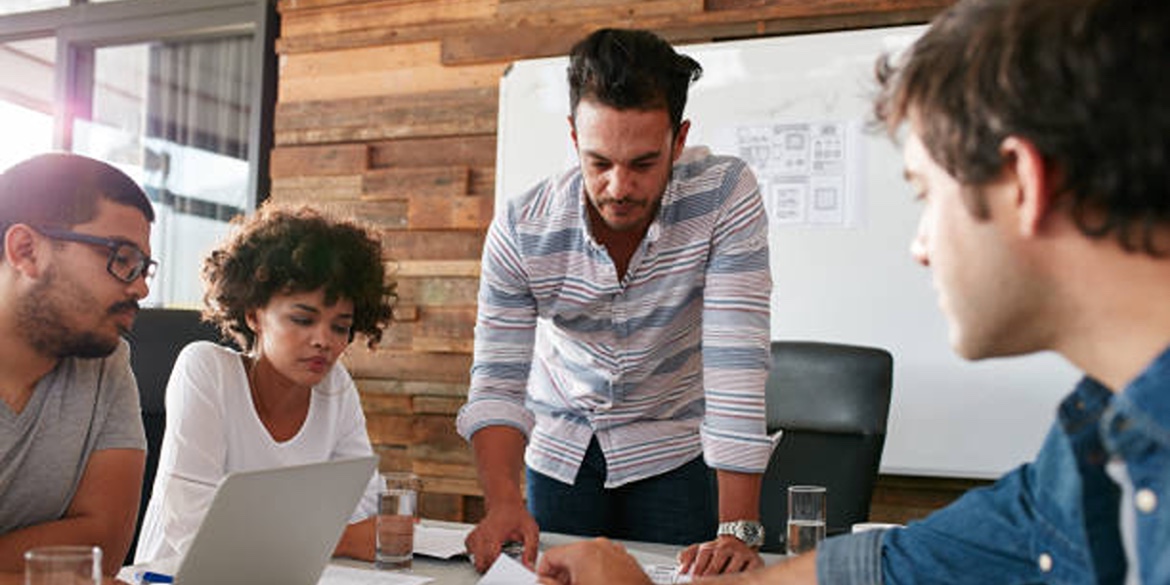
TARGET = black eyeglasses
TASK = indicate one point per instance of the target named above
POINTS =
(127, 262)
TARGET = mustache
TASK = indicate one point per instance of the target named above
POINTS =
(620, 201)
(124, 306)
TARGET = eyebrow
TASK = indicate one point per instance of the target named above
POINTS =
(315, 310)
(640, 158)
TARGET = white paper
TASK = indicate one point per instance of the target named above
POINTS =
(665, 574)
(439, 541)
(339, 575)
(507, 571)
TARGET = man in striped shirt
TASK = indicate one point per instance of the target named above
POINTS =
(622, 339)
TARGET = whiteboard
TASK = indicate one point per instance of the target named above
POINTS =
(839, 240)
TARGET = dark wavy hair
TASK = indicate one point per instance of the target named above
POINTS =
(280, 250)
(1083, 80)
(631, 69)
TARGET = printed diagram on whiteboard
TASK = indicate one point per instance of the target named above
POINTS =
(804, 171)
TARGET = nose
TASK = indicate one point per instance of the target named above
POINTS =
(322, 336)
(622, 182)
(919, 249)
(139, 288)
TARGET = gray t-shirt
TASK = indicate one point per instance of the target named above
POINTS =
(81, 406)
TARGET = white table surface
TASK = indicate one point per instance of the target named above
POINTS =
(459, 571)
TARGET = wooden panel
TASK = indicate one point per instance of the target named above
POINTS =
(445, 405)
(392, 457)
(433, 245)
(387, 14)
(457, 268)
(440, 506)
(441, 469)
(539, 31)
(437, 433)
(435, 152)
(310, 189)
(424, 451)
(378, 71)
(413, 182)
(291, 5)
(346, 62)
(503, 41)
(453, 113)
(390, 429)
(388, 386)
(429, 213)
(332, 159)
(385, 214)
(375, 403)
(439, 292)
(446, 323)
(403, 365)
(803, 7)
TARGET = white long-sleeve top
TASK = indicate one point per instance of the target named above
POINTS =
(213, 429)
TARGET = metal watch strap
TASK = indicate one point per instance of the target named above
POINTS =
(750, 532)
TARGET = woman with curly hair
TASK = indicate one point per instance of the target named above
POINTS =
(291, 287)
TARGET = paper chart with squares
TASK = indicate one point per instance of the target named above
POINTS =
(805, 170)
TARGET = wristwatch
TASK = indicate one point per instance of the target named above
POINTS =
(748, 531)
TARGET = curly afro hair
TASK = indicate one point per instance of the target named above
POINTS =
(281, 250)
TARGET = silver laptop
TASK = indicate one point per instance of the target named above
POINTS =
(275, 526)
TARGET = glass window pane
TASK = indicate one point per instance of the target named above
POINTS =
(26, 98)
(175, 116)
(15, 6)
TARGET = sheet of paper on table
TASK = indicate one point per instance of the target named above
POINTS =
(509, 571)
(440, 541)
(339, 575)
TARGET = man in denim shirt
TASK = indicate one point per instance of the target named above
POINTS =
(1039, 139)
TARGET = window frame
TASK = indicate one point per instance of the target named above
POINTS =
(80, 29)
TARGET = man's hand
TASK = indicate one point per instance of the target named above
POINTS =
(503, 523)
(725, 554)
(591, 562)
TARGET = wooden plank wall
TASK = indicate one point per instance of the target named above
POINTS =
(387, 112)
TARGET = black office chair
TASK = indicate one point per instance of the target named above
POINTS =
(155, 341)
(832, 401)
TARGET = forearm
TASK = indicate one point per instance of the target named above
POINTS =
(357, 541)
(499, 462)
(113, 540)
(739, 495)
(801, 570)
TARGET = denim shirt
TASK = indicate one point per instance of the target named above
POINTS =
(1055, 520)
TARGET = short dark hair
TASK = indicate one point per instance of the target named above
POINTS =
(1077, 78)
(61, 190)
(280, 250)
(631, 69)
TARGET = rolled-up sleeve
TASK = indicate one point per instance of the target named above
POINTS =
(736, 331)
(505, 331)
(851, 559)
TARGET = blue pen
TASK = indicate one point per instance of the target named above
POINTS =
(152, 577)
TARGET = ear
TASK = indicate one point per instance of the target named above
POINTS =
(573, 132)
(22, 249)
(680, 139)
(1027, 167)
(252, 320)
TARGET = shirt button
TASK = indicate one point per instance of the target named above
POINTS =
(1146, 500)
(1045, 562)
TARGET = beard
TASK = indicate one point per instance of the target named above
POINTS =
(43, 315)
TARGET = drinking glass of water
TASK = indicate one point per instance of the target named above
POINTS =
(397, 512)
(806, 517)
(63, 565)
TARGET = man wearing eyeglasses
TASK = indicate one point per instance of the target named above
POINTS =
(74, 262)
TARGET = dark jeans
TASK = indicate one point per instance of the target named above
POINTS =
(677, 507)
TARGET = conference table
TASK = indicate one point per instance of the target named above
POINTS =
(459, 571)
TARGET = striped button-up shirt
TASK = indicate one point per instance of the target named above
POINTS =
(662, 366)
